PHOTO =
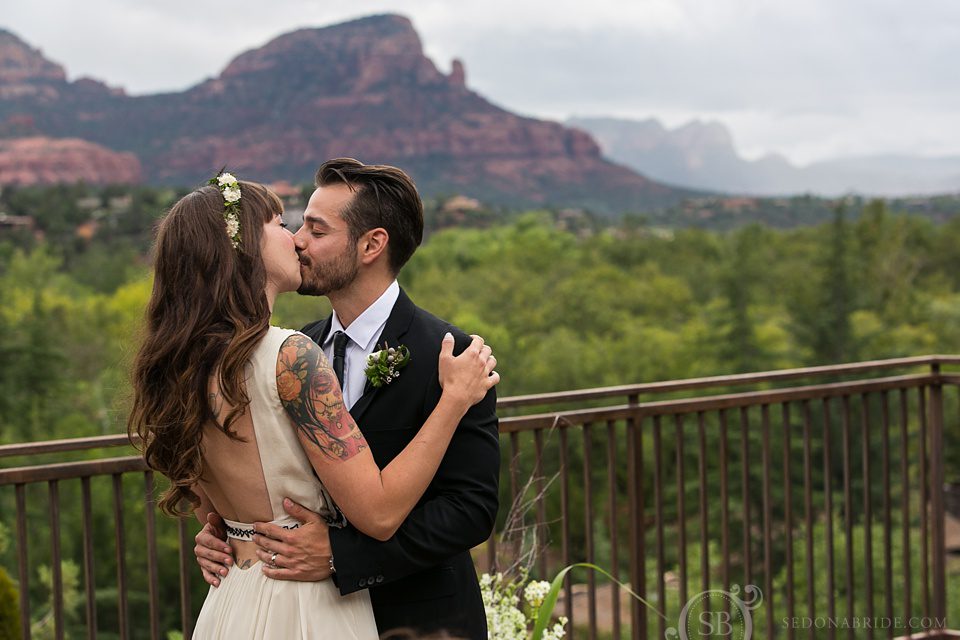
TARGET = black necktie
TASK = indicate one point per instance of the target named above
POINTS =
(339, 355)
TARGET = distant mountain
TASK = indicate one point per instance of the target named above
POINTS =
(885, 175)
(362, 88)
(702, 155)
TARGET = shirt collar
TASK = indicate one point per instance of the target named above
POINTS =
(368, 324)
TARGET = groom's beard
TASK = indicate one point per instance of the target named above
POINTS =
(321, 278)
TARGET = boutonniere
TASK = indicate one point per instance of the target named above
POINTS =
(383, 367)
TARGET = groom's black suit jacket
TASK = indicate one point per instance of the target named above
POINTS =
(423, 577)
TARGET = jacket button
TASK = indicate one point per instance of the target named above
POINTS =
(371, 580)
(363, 582)
(379, 579)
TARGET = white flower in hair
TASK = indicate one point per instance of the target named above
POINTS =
(231, 194)
(230, 189)
(233, 226)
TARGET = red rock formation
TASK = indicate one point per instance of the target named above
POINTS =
(30, 161)
(20, 62)
(24, 71)
(458, 75)
(363, 89)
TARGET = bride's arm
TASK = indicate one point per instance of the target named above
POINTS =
(376, 502)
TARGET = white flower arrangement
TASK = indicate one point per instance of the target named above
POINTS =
(535, 592)
(230, 188)
(507, 619)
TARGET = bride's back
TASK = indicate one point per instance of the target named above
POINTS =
(247, 479)
(232, 475)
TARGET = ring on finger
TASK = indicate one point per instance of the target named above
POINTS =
(273, 559)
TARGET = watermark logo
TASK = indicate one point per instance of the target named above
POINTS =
(706, 615)
(900, 623)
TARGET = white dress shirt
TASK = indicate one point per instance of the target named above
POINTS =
(362, 334)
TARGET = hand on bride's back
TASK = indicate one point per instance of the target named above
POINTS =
(469, 376)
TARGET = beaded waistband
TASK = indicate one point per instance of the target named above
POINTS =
(244, 530)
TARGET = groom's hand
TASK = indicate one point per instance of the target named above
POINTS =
(302, 554)
(213, 553)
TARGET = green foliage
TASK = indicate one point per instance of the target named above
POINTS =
(728, 213)
(564, 306)
(9, 608)
(831, 335)
(43, 627)
(9, 596)
(879, 597)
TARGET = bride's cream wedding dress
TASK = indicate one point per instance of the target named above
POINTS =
(247, 604)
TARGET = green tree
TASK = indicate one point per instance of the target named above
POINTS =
(9, 597)
(43, 627)
(740, 349)
(9, 608)
(823, 305)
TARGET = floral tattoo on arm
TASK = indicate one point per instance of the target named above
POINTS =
(310, 395)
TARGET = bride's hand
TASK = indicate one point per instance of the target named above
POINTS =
(468, 377)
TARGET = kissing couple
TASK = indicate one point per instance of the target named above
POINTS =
(343, 472)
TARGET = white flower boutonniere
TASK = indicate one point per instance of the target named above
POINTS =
(383, 367)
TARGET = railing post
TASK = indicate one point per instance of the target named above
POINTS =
(937, 533)
(638, 613)
(23, 561)
(121, 554)
(186, 555)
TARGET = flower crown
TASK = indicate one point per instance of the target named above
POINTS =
(230, 189)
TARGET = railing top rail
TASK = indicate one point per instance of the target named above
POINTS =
(561, 397)
(722, 381)
(71, 444)
(577, 417)
(69, 470)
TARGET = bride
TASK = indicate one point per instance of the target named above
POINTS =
(238, 413)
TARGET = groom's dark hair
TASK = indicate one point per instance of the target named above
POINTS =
(384, 196)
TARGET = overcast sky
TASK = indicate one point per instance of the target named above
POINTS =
(810, 79)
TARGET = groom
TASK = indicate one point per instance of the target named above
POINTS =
(361, 225)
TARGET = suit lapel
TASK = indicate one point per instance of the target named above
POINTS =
(397, 324)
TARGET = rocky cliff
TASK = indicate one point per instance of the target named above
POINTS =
(363, 89)
(24, 71)
(28, 161)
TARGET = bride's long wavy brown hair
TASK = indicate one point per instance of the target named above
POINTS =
(207, 312)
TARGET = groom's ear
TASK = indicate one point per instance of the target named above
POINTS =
(373, 244)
